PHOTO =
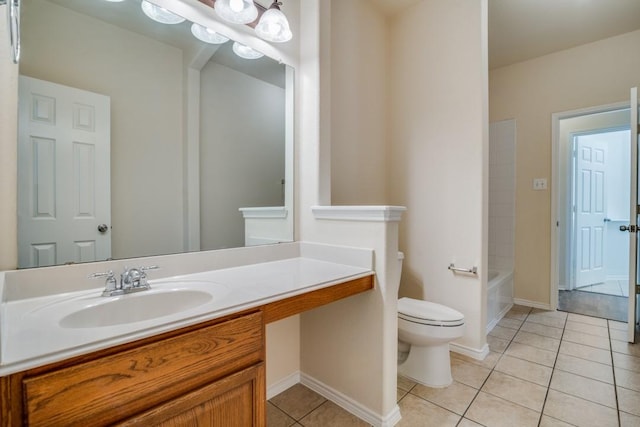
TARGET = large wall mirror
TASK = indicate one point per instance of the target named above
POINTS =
(137, 139)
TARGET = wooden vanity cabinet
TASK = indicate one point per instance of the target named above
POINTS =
(235, 400)
(212, 375)
(209, 374)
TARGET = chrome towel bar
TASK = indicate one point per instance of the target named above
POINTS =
(472, 270)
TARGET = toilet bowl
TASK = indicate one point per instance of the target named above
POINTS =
(425, 329)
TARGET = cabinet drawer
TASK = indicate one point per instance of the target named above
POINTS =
(115, 387)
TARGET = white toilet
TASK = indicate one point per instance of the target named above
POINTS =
(425, 330)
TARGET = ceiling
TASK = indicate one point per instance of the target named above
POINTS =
(525, 29)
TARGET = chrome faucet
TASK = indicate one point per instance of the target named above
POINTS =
(131, 280)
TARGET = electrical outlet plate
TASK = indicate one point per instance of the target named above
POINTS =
(540, 184)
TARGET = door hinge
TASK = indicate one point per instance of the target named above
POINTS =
(637, 209)
(637, 289)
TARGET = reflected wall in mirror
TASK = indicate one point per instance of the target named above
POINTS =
(192, 132)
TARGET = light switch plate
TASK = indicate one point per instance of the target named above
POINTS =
(540, 184)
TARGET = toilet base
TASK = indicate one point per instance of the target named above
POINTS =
(428, 365)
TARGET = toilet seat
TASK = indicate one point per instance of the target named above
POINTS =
(428, 313)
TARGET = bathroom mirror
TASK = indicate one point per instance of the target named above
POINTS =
(194, 135)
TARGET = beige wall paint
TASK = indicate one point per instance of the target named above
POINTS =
(439, 154)
(359, 103)
(590, 75)
(8, 150)
(239, 167)
(146, 117)
(344, 343)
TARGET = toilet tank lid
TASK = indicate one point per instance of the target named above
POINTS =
(428, 310)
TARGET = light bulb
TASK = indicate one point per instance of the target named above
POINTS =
(236, 5)
(246, 52)
(207, 35)
(236, 11)
(273, 25)
(160, 14)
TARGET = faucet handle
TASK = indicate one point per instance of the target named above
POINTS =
(108, 274)
(141, 280)
(110, 284)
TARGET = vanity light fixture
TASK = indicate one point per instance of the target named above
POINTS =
(207, 35)
(236, 11)
(246, 52)
(160, 14)
(273, 25)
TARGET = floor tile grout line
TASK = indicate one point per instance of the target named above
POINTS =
(308, 413)
(615, 382)
(491, 372)
(587, 345)
(553, 368)
(588, 378)
(440, 406)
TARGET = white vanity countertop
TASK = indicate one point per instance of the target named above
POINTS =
(31, 334)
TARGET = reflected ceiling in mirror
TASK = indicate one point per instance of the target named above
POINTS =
(193, 134)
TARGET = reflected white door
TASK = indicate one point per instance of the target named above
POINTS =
(591, 200)
(64, 208)
(632, 314)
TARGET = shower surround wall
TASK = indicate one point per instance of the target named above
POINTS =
(502, 155)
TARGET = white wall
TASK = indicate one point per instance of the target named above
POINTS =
(239, 166)
(595, 74)
(439, 154)
(502, 196)
(143, 77)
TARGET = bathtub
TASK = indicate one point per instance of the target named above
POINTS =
(499, 295)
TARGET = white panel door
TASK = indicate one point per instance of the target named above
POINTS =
(591, 202)
(64, 207)
(632, 314)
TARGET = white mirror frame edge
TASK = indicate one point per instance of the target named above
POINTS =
(13, 19)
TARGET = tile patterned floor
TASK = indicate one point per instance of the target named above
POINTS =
(610, 287)
(545, 369)
(594, 304)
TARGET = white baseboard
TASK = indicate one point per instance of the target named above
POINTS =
(282, 385)
(350, 405)
(620, 277)
(499, 317)
(474, 353)
(533, 304)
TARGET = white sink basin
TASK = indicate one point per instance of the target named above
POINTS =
(136, 307)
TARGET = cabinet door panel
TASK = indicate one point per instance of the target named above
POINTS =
(115, 387)
(235, 401)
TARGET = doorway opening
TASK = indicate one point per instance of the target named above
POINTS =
(592, 151)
